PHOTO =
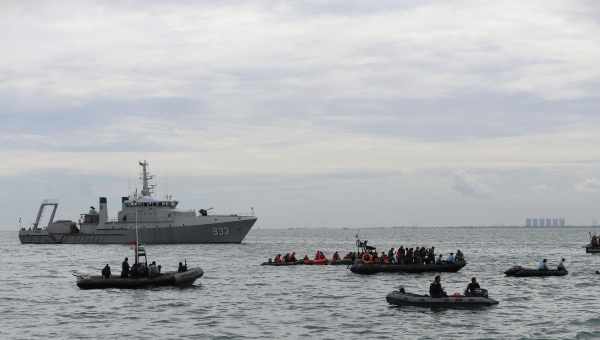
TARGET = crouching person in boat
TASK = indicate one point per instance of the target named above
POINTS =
(561, 265)
(138, 270)
(153, 270)
(336, 257)
(106, 272)
(543, 265)
(435, 289)
(473, 289)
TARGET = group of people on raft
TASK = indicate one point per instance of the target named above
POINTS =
(418, 255)
(319, 258)
(473, 289)
(139, 270)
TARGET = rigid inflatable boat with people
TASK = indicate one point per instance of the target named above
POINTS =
(518, 271)
(402, 298)
(594, 246)
(176, 279)
(542, 270)
(404, 260)
(140, 275)
(474, 296)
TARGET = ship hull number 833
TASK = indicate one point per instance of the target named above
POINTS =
(220, 231)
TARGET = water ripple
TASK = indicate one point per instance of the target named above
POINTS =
(241, 299)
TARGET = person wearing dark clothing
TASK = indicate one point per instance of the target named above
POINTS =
(472, 287)
(106, 272)
(435, 289)
(431, 257)
(180, 268)
(133, 270)
(125, 269)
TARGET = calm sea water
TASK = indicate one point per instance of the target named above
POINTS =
(238, 298)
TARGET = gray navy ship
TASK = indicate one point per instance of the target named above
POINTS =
(157, 222)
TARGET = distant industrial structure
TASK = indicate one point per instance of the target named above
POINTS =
(545, 222)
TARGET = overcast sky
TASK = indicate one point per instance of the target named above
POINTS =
(316, 113)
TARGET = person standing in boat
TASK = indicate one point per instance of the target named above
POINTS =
(390, 255)
(106, 272)
(460, 257)
(125, 269)
(400, 255)
(431, 256)
(435, 289)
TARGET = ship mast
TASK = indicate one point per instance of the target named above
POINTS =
(146, 177)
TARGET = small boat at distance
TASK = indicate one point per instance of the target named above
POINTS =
(592, 249)
(518, 271)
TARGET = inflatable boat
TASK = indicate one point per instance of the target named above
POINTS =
(346, 262)
(360, 267)
(281, 263)
(592, 250)
(177, 279)
(519, 271)
(400, 298)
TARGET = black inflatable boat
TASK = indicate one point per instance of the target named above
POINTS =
(186, 278)
(360, 267)
(519, 271)
(400, 298)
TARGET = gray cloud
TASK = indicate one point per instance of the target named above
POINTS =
(319, 93)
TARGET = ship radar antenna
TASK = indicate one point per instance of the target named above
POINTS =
(147, 187)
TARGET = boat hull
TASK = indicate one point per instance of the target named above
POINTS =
(592, 250)
(528, 272)
(182, 279)
(223, 232)
(407, 299)
(373, 268)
